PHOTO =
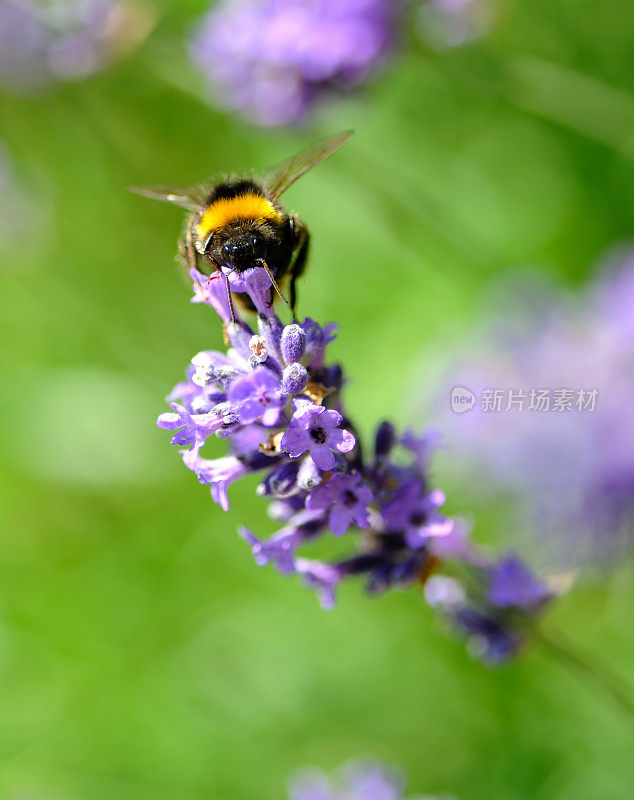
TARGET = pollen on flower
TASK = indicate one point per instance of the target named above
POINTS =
(257, 345)
(317, 392)
(271, 447)
(204, 369)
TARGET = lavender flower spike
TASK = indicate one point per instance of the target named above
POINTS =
(276, 400)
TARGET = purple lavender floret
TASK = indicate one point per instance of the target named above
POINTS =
(316, 429)
(191, 428)
(257, 396)
(273, 61)
(347, 498)
(275, 399)
(412, 510)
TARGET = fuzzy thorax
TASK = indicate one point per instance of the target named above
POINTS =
(250, 206)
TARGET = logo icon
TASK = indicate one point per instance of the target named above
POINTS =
(462, 399)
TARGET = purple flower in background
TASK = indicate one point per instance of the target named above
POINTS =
(494, 609)
(347, 498)
(274, 60)
(552, 425)
(23, 45)
(65, 41)
(316, 429)
(362, 779)
(359, 780)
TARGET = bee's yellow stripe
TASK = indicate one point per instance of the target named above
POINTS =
(225, 210)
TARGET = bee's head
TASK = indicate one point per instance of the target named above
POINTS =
(244, 250)
(239, 248)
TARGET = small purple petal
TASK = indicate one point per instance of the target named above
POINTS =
(169, 421)
(323, 577)
(210, 289)
(322, 455)
(342, 440)
(295, 442)
(339, 519)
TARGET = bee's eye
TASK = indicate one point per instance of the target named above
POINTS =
(207, 242)
(228, 249)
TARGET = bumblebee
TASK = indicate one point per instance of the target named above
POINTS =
(238, 223)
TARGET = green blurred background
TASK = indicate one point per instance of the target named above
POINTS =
(142, 653)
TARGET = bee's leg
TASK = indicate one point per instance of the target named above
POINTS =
(190, 250)
(302, 242)
(187, 253)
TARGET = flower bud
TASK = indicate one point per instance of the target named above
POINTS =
(333, 377)
(293, 343)
(309, 475)
(384, 440)
(294, 379)
(281, 482)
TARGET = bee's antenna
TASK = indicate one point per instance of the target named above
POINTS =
(272, 279)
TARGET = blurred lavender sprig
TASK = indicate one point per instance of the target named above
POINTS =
(273, 61)
(361, 779)
(566, 466)
(66, 40)
(493, 602)
(276, 400)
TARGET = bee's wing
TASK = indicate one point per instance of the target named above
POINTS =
(190, 198)
(279, 178)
